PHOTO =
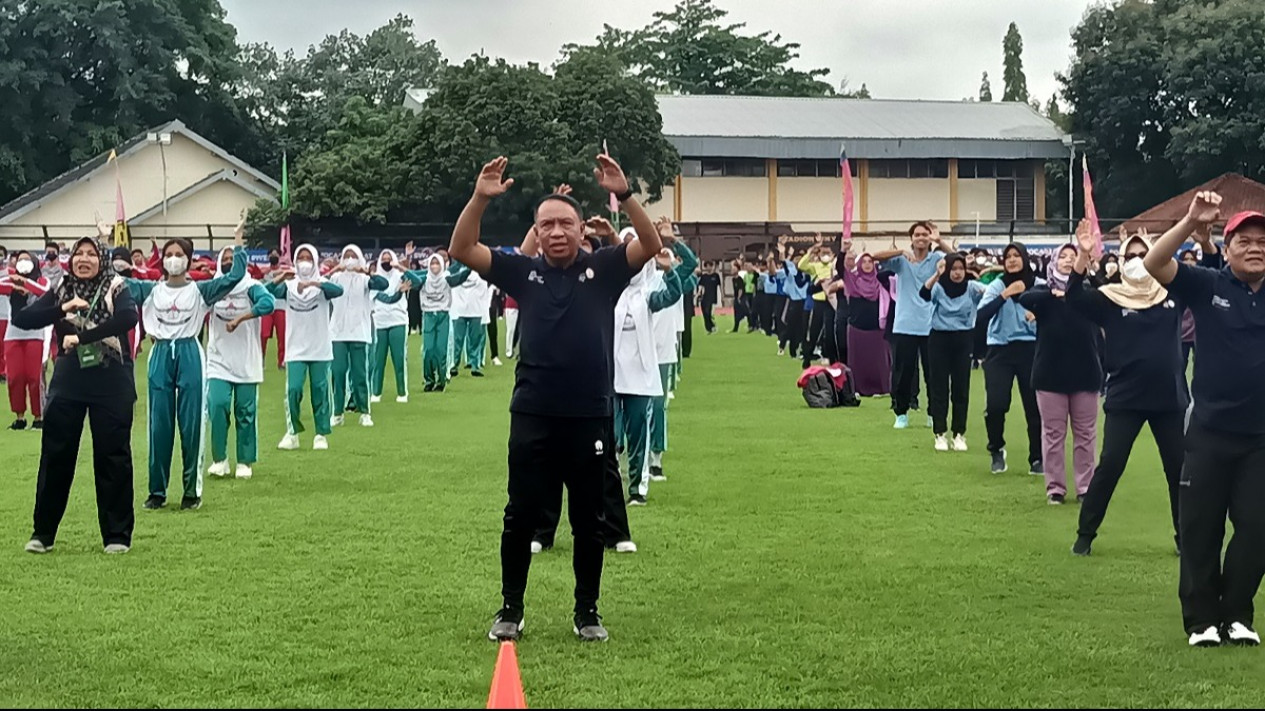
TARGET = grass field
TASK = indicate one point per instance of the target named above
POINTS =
(795, 557)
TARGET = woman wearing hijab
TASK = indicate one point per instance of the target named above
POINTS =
(390, 318)
(663, 326)
(351, 329)
(471, 301)
(309, 347)
(434, 287)
(1145, 380)
(1012, 335)
(234, 370)
(1067, 376)
(25, 350)
(954, 299)
(275, 322)
(174, 311)
(91, 312)
(868, 306)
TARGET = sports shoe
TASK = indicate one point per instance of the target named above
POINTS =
(37, 547)
(497, 362)
(636, 500)
(336, 421)
(509, 354)
(454, 373)
(1210, 637)
(1083, 546)
(37, 425)
(625, 547)
(1036, 468)
(959, 443)
(401, 399)
(117, 549)
(375, 399)
(1240, 634)
(942, 443)
(671, 395)
(537, 547)
(154, 503)
(902, 422)
(244, 471)
(1055, 499)
(18, 425)
(656, 474)
(429, 388)
(218, 469)
(476, 374)
(440, 388)
(999, 462)
(319, 442)
(508, 626)
(588, 627)
(289, 443)
(366, 420)
(781, 351)
(191, 503)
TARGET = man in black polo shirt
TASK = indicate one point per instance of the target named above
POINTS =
(1225, 439)
(561, 422)
(709, 285)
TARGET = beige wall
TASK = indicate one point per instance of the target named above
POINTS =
(812, 200)
(895, 202)
(219, 203)
(977, 195)
(663, 207)
(725, 199)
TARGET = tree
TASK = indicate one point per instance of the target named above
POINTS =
(691, 50)
(1016, 83)
(985, 89)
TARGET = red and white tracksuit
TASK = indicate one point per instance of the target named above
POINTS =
(25, 353)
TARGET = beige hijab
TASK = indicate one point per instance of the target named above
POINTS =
(1137, 290)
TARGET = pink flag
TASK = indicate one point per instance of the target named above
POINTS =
(1091, 212)
(848, 199)
(285, 246)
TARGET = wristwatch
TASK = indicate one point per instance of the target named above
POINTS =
(625, 197)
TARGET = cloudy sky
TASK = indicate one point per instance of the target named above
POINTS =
(902, 49)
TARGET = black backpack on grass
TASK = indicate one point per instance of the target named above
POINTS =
(820, 391)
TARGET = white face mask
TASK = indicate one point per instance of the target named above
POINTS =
(305, 270)
(175, 265)
(121, 266)
(25, 266)
(351, 263)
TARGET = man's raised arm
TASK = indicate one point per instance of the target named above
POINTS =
(464, 246)
(1204, 210)
(612, 179)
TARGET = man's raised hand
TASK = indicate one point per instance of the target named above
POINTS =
(601, 227)
(609, 175)
(1085, 236)
(491, 183)
(1205, 208)
(562, 189)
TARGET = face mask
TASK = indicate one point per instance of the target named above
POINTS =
(1111, 268)
(1134, 270)
(351, 263)
(306, 270)
(175, 265)
(25, 266)
(274, 260)
(386, 266)
(121, 266)
(51, 256)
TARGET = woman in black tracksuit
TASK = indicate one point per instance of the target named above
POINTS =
(1146, 383)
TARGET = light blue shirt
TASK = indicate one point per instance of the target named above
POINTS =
(773, 283)
(913, 314)
(1011, 324)
(949, 314)
(794, 291)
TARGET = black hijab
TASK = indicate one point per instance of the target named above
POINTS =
(951, 288)
(1026, 275)
(95, 289)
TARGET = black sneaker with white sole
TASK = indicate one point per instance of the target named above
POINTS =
(1208, 637)
(636, 500)
(1055, 499)
(155, 502)
(1036, 468)
(588, 627)
(508, 626)
(191, 503)
(999, 462)
(37, 425)
(1243, 635)
(1083, 546)
(18, 425)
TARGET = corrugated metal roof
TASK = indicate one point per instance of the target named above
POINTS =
(1237, 194)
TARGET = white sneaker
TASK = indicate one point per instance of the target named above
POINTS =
(402, 399)
(625, 547)
(289, 443)
(658, 477)
(536, 547)
(375, 399)
(509, 354)
(336, 421)
(1210, 637)
(366, 420)
(942, 443)
(116, 549)
(1240, 633)
(34, 546)
(218, 469)
(497, 361)
(959, 443)
(781, 351)
(320, 442)
(244, 471)
(671, 396)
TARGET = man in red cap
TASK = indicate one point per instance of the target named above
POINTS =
(1224, 473)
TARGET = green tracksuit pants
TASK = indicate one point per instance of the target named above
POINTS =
(298, 372)
(659, 414)
(351, 376)
(390, 341)
(238, 403)
(177, 395)
(632, 428)
(435, 328)
(471, 338)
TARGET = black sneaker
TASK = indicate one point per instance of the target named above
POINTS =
(1036, 468)
(191, 503)
(454, 373)
(588, 627)
(37, 425)
(155, 502)
(636, 500)
(508, 626)
(18, 425)
(429, 388)
(656, 474)
(999, 462)
(1055, 499)
(440, 388)
(476, 373)
(1083, 546)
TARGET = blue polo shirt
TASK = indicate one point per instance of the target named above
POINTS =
(913, 314)
(1229, 385)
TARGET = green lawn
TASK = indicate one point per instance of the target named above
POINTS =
(795, 557)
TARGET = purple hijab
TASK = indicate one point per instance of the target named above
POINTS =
(1053, 278)
(862, 285)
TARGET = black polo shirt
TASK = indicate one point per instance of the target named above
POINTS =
(566, 317)
(1229, 387)
(711, 287)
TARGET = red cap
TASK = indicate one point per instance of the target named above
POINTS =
(1241, 219)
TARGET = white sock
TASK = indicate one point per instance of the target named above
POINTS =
(656, 459)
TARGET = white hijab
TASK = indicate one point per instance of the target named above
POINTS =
(306, 297)
(242, 286)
